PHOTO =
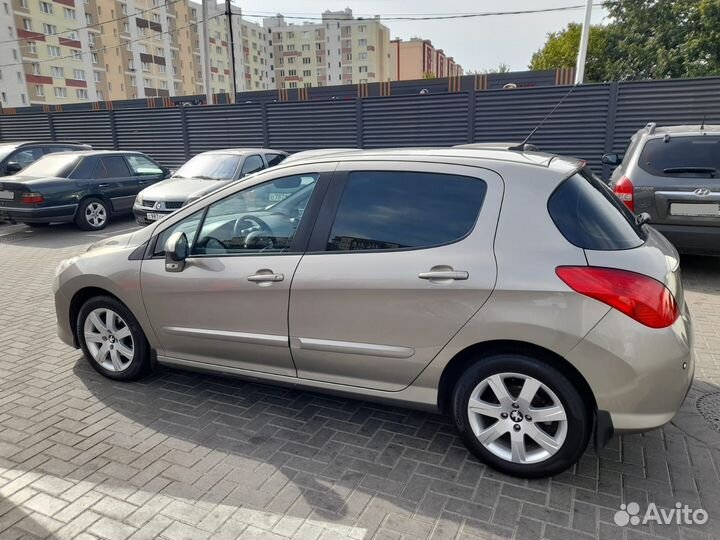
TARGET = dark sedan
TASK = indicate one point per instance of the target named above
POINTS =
(86, 188)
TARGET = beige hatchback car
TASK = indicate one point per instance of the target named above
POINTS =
(509, 289)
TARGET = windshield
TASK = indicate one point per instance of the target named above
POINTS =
(5, 150)
(210, 167)
(682, 156)
(58, 164)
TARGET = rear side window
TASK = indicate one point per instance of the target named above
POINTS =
(400, 210)
(682, 156)
(590, 216)
(112, 167)
(274, 159)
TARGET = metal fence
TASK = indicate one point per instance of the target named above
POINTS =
(595, 119)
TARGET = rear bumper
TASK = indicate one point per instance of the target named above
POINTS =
(692, 239)
(48, 214)
(639, 375)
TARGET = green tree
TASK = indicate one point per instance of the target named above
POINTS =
(561, 49)
(429, 75)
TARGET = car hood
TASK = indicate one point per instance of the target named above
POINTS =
(179, 189)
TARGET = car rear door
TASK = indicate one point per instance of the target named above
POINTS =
(677, 180)
(112, 178)
(400, 259)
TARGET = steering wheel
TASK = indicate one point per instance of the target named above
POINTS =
(237, 228)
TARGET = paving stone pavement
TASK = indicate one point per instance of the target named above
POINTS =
(181, 455)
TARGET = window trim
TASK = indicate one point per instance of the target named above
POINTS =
(244, 161)
(299, 243)
(318, 243)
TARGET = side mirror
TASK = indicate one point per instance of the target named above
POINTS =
(642, 218)
(12, 167)
(165, 171)
(611, 159)
(176, 251)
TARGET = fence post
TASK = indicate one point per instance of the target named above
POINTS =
(610, 125)
(113, 131)
(265, 130)
(51, 126)
(185, 132)
(471, 117)
(359, 121)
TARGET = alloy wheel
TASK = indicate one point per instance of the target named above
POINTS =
(109, 339)
(95, 214)
(517, 418)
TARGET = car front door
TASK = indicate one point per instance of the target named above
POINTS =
(113, 179)
(146, 171)
(404, 261)
(228, 306)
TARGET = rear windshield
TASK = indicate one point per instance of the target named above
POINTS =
(682, 156)
(590, 216)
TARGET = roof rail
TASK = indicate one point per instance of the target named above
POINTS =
(651, 127)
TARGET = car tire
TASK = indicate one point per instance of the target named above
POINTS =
(37, 225)
(502, 427)
(92, 215)
(112, 340)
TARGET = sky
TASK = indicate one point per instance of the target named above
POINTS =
(476, 43)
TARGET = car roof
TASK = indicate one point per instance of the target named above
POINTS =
(18, 144)
(90, 153)
(686, 129)
(459, 156)
(244, 151)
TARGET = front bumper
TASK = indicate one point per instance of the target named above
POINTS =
(639, 375)
(62, 316)
(39, 214)
(141, 214)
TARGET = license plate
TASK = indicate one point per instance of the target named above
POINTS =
(695, 209)
(7, 195)
(153, 216)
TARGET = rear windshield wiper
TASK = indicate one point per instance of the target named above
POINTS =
(699, 170)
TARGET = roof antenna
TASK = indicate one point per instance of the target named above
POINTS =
(521, 147)
(702, 126)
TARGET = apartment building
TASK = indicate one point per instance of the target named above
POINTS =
(339, 50)
(418, 58)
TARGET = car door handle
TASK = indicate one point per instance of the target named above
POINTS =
(103, 185)
(261, 278)
(444, 274)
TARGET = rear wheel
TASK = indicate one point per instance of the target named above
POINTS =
(92, 215)
(112, 339)
(521, 416)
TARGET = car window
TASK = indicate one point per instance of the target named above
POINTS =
(59, 165)
(682, 156)
(211, 166)
(244, 222)
(112, 167)
(26, 156)
(252, 164)
(274, 159)
(590, 216)
(398, 210)
(189, 226)
(142, 166)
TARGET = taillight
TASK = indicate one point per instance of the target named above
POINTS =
(32, 198)
(640, 297)
(625, 191)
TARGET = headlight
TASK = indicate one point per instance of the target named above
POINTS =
(139, 199)
(64, 265)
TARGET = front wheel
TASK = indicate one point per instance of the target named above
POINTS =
(521, 416)
(112, 339)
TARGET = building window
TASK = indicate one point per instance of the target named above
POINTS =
(292, 85)
(60, 92)
(145, 66)
(81, 93)
(306, 60)
(88, 18)
(362, 28)
(147, 83)
(100, 95)
(94, 57)
(307, 73)
(27, 24)
(53, 50)
(49, 29)
(156, 17)
(362, 56)
(35, 68)
(79, 74)
(125, 28)
(98, 76)
(57, 72)
(161, 68)
(39, 90)
(69, 13)
(133, 81)
(32, 47)
(362, 42)
(46, 7)
(363, 69)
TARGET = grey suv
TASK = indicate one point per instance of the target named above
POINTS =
(511, 290)
(671, 173)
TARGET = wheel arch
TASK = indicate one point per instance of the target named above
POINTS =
(77, 301)
(476, 352)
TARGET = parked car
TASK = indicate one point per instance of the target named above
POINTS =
(201, 175)
(671, 174)
(15, 156)
(509, 289)
(87, 188)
